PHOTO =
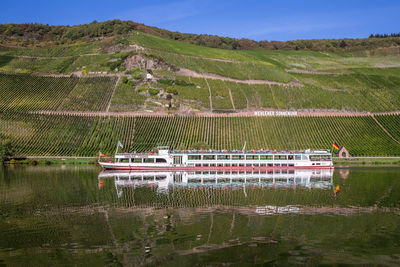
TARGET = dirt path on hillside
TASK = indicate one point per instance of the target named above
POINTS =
(187, 72)
(308, 71)
(112, 95)
(210, 95)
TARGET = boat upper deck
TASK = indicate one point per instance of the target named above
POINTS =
(225, 152)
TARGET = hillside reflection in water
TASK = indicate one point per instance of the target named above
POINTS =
(78, 215)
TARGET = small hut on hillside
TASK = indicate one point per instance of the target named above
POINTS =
(343, 152)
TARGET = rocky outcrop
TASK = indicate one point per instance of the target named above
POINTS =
(144, 62)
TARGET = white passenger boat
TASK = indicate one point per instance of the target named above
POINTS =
(193, 160)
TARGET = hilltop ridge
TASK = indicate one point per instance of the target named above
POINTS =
(34, 34)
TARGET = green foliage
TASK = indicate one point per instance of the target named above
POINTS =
(153, 91)
(136, 71)
(172, 90)
(6, 150)
(166, 81)
(121, 41)
(125, 80)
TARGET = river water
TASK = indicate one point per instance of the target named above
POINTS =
(79, 215)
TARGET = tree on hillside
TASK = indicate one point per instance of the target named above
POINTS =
(6, 150)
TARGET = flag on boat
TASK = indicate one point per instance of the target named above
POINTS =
(335, 145)
(120, 144)
(101, 154)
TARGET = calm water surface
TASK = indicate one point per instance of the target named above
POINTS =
(75, 215)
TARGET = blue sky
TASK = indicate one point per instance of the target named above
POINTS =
(257, 20)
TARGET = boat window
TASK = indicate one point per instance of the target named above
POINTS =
(198, 165)
(212, 165)
(280, 157)
(304, 157)
(284, 165)
(124, 160)
(223, 157)
(194, 157)
(208, 157)
(297, 157)
(325, 157)
(205, 165)
(236, 157)
(252, 157)
(248, 165)
(241, 165)
(277, 165)
(148, 160)
(137, 160)
(266, 157)
(220, 164)
(290, 157)
(160, 177)
(263, 165)
(227, 164)
(291, 164)
(161, 160)
(234, 165)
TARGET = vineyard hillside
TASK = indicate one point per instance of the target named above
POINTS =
(76, 97)
(71, 135)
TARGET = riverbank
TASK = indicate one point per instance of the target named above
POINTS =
(366, 161)
(339, 162)
(43, 160)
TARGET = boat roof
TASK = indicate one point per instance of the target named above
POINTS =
(228, 152)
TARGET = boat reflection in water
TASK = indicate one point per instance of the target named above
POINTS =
(164, 181)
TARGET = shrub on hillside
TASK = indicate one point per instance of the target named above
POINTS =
(153, 91)
(172, 90)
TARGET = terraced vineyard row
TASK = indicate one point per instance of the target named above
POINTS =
(31, 65)
(35, 134)
(25, 93)
(361, 135)
(391, 123)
